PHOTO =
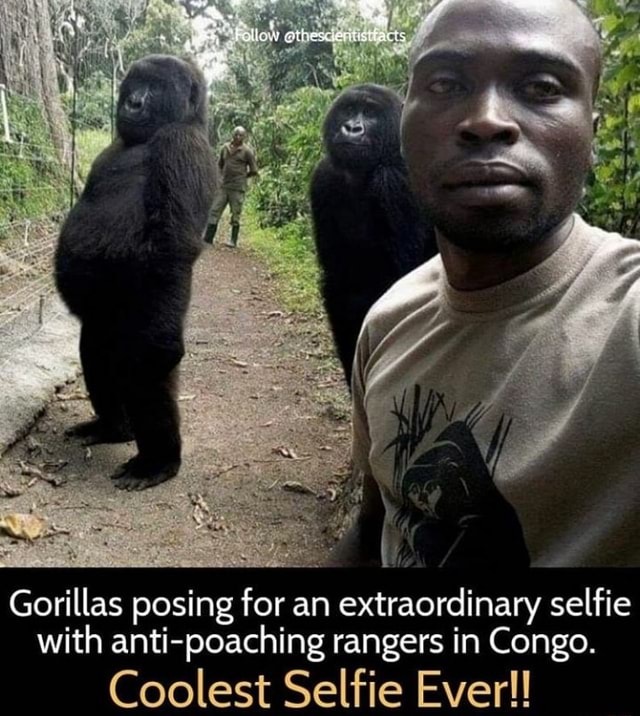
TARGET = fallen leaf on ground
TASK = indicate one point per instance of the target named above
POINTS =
(23, 526)
(293, 486)
(33, 446)
(218, 525)
(29, 470)
(285, 452)
(55, 466)
(55, 530)
(55, 480)
(9, 491)
(72, 396)
(201, 512)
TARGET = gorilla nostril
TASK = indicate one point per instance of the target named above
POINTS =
(135, 102)
(353, 128)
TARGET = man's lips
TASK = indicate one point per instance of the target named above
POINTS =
(479, 174)
(486, 185)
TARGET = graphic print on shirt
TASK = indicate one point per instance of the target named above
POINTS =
(453, 514)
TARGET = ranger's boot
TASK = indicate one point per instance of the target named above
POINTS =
(211, 233)
(233, 241)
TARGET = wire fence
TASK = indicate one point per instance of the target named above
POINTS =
(38, 184)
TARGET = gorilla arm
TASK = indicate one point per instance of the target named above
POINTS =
(412, 241)
(180, 187)
(335, 253)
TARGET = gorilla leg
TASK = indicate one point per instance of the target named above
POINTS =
(104, 386)
(153, 410)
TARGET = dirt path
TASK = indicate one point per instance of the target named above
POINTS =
(262, 448)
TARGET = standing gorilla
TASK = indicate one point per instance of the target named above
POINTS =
(124, 262)
(368, 230)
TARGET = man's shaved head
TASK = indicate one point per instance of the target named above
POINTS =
(441, 7)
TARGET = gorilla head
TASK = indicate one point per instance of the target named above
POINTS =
(362, 129)
(158, 90)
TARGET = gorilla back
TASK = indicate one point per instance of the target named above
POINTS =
(367, 227)
(124, 262)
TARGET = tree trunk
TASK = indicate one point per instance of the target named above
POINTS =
(28, 67)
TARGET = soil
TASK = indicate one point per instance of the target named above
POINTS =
(265, 437)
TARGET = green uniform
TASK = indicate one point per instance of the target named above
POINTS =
(237, 164)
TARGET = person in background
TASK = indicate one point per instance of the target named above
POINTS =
(237, 163)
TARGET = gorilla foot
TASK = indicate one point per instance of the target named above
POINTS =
(93, 432)
(139, 474)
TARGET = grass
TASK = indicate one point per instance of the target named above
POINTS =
(89, 143)
(290, 257)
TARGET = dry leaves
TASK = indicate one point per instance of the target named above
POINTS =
(285, 452)
(9, 491)
(23, 526)
(293, 486)
(203, 517)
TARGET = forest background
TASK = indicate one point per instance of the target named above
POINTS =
(61, 62)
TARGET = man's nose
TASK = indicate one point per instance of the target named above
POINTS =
(489, 118)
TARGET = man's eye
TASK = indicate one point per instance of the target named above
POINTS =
(445, 86)
(541, 89)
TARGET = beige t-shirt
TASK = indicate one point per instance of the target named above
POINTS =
(503, 425)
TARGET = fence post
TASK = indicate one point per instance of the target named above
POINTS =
(74, 110)
(5, 114)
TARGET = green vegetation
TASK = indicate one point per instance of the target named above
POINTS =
(613, 200)
(289, 144)
(89, 143)
(285, 116)
(290, 260)
(270, 90)
(280, 91)
(32, 183)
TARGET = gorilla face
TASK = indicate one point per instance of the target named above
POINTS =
(362, 128)
(156, 91)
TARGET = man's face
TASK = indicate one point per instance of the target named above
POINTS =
(238, 138)
(498, 123)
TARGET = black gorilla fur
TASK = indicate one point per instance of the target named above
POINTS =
(367, 227)
(124, 262)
